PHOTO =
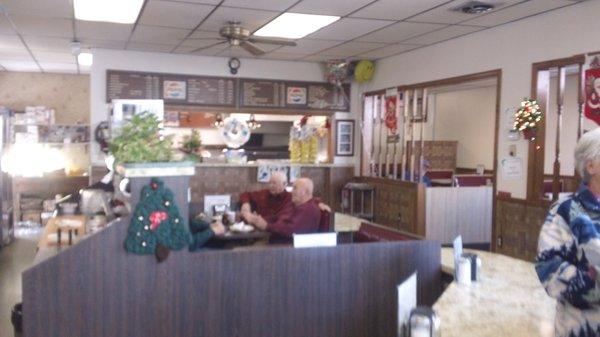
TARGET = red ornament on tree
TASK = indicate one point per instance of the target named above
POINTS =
(156, 218)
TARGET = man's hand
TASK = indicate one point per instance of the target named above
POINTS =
(246, 209)
(260, 223)
(218, 228)
(324, 207)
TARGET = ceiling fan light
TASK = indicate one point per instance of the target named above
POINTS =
(295, 25)
(116, 11)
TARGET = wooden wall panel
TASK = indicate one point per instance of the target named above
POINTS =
(440, 154)
(328, 182)
(518, 224)
(398, 204)
(96, 289)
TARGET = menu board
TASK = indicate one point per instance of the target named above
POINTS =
(227, 91)
(132, 85)
(262, 94)
(211, 91)
(256, 93)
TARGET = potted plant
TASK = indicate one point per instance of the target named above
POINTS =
(191, 146)
(140, 150)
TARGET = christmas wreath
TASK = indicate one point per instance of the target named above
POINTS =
(527, 118)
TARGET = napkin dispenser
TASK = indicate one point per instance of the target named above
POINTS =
(475, 262)
(423, 322)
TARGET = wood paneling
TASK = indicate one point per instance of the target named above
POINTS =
(519, 223)
(453, 211)
(96, 289)
(398, 204)
(328, 182)
(440, 154)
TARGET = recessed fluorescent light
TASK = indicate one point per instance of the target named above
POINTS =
(118, 11)
(295, 25)
(85, 59)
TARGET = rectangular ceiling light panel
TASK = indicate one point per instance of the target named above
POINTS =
(116, 11)
(295, 25)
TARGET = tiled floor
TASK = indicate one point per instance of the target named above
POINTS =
(14, 258)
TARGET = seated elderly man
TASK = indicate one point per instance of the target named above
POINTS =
(269, 202)
(301, 216)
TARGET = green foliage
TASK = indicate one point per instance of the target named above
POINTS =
(139, 141)
(191, 143)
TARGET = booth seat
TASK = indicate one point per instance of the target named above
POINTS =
(374, 233)
(465, 180)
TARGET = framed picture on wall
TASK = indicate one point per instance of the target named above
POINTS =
(344, 138)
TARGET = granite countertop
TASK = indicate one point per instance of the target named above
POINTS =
(508, 301)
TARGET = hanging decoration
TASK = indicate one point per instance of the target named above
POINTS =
(527, 118)
(304, 140)
(391, 121)
(234, 132)
(592, 91)
(336, 71)
(363, 72)
(156, 226)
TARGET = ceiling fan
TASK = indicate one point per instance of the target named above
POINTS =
(236, 35)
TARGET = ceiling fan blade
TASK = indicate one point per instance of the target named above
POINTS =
(209, 46)
(272, 41)
(252, 48)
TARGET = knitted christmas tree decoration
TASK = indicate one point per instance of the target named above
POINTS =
(156, 225)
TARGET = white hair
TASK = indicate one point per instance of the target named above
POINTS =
(587, 149)
(279, 176)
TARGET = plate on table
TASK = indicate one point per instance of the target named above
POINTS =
(241, 227)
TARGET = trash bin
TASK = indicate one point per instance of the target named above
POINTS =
(16, 318)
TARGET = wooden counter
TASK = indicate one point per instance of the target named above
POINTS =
(508, 301)
(52, 227)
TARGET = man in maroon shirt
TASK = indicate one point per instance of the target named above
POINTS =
(268, 203)
(301, 216)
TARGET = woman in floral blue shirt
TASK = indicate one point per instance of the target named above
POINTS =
(568, 260)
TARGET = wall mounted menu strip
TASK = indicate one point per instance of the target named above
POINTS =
(227, 91)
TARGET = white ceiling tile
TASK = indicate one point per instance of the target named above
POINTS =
(184, 50)
(447, 14)
(55, 67)
(174, 14)
(516, 12)
(203, 2)
(204, 34)
(400, 31)
(41, 26)
(10, 41)
(47, 43)
(320, 58)
(102, 30)
(44, 8)
(162, 35)
(54, 57)
(273, 5)
(251, 19)
(5, 26)
(151, 47)
(84, 69)
(94, 43)
(12, 65)
(14, 54)
(396, 9)
(200, 43)
(281, 56)
(442, 34)
(329, 7)
(388, 51)
(212, 51)
(309, 46)
(352, 48)
(348, 28)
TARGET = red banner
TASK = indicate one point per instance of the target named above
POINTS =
(391, 121)
(592, 94)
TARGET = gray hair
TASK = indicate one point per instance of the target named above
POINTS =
(587, 149)
(279, 176)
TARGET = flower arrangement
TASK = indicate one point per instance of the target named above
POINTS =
(527, 118)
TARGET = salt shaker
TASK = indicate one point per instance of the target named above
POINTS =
(463, 274)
